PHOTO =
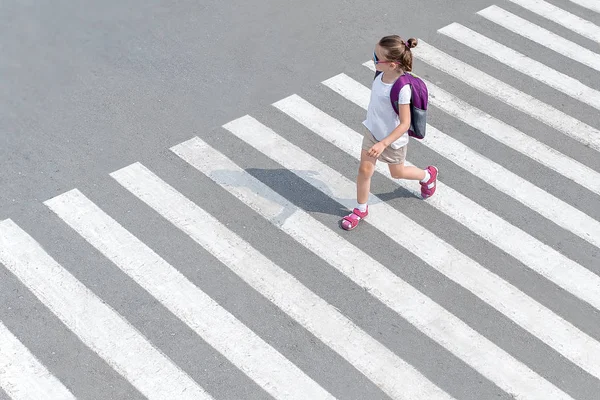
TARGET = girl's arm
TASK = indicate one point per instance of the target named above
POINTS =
(404, 111)
(379, 147)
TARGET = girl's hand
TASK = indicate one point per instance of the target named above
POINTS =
(376, 150)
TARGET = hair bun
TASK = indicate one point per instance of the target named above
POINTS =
(412, 42)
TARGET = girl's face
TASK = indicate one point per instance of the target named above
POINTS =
(380, 61)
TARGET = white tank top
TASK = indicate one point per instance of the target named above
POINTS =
(381, 117)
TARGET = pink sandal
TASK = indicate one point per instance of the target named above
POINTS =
(428, 188)
(351, 221)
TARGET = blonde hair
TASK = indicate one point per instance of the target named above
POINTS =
(398, 51)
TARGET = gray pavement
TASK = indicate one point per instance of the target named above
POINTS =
(89, 89)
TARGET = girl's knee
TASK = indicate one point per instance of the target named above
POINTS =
(366, 170)
(397, 172)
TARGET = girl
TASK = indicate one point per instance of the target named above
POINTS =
(386, 137)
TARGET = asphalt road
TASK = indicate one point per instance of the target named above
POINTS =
(89, 89)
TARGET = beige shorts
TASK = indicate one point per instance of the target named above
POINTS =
(389, 155)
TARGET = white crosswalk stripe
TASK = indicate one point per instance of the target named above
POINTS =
(429, 317)
(319, 317)
(22, 376)
(219, 328)
(96, 324)
(472, 349)
(536, 255)
(542, 36)
(593, 5)
(561, 17)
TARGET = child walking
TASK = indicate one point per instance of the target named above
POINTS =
(385, 137)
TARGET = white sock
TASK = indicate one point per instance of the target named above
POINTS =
(427, 176)
(362, 207)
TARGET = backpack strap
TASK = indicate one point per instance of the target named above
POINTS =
(402, 80)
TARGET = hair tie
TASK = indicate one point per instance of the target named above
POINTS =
(406, 44)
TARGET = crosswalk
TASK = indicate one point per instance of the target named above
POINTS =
(23, 376)
(557, 15)
(401, 308)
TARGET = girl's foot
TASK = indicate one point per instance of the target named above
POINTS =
(351, 221)
(428, 188)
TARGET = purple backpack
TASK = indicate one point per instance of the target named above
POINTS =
(418, 102)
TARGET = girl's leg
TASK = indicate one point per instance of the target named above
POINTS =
(363, 180)
(427, 178)
(363, 188)
(401, 171)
